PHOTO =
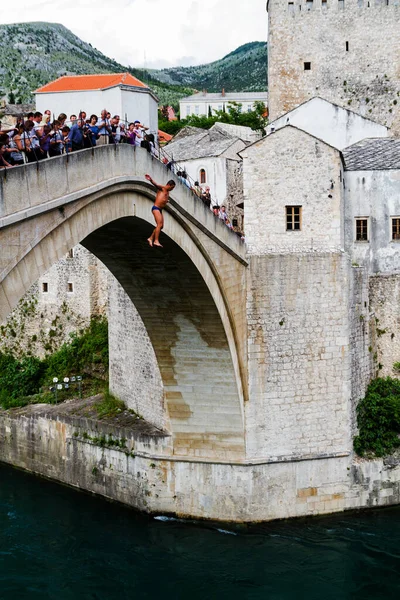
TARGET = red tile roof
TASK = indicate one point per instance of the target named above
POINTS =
(75, 83)
(164, 137)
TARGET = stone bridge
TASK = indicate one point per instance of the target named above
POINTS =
(253, 366)
(191, 295)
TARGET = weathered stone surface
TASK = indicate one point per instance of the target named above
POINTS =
(57, 443)
(190, 296)
(61, 302)
(350, 63)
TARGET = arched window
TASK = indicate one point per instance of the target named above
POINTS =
(203, 176)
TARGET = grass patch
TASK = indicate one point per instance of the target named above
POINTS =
(109, 406)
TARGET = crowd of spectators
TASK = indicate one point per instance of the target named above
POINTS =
(38, 136)
(205, 196)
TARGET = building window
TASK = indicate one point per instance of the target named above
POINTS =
(291, 7)
(347, 46)
(293, 218)
(396, 229)
(203, 176)
(341, 3)
(187, 110)
(362, 230)
(70, 287)
(307, 66)
(45, 287)
(220, 107)
(309, 4)
(197, 109)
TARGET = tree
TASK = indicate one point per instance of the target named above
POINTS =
(11, 98)
(255, 119)
(235, 112)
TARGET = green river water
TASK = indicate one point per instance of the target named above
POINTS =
(58, 543)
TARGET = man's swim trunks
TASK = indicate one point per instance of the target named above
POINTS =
(156, 208)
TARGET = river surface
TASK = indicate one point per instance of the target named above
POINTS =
(57, 543)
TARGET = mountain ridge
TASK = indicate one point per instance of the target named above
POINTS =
(34, 53)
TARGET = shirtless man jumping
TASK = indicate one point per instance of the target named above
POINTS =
(159, 203)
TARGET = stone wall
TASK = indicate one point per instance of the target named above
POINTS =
(299, 356)
(352, 47)
(146, 476)
(385, 302)
(61, 302)
(364, 366)
(134, 373)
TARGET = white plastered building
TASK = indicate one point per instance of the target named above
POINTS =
(119, 93)
(203, 103)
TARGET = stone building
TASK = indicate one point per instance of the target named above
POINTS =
(346, 51)
(337, 126)
(61, 302)
(211, 158)
(328, 254)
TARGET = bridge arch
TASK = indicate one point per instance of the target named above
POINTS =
(178, 292)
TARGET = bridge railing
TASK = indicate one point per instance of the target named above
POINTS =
(30, 190)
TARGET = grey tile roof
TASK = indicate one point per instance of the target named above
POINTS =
(373, 154)
(18, 109)
(199, 145)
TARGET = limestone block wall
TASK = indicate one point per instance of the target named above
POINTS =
(134, 372)
(147, 477)
(362, 339)
(352, 47)
(385, 302)
(299, 355)
(61, 302)
(291, 168)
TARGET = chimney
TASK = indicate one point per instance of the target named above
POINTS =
(204, 92)
(223, 92)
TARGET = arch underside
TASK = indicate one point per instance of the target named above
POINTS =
(187, 334)
(181, 305)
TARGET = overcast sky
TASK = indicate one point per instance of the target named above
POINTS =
(157, 33)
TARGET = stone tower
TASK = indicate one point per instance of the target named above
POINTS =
(345, 51)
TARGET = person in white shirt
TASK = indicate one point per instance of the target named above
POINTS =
(104, 126)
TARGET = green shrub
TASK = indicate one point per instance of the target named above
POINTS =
(378, 418)
(20, 379)
(87, 349)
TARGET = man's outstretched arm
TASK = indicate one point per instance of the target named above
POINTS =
(156, 185)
